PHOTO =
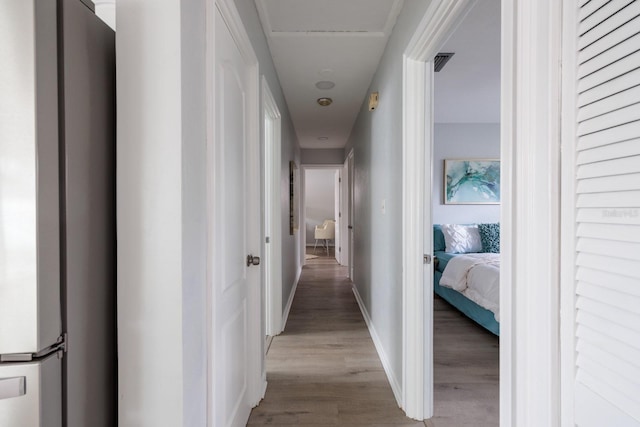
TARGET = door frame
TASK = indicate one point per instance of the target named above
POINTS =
(531, 89)
(272, 221)
(568, 237)
(255, 369)
(439, 21)
(531, 238)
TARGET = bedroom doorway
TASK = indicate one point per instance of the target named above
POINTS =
(420, 58)
(465, 191)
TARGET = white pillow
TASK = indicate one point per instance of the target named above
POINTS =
(461, 239)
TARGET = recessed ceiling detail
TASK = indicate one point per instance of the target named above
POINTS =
(325, 85)
(314, 42)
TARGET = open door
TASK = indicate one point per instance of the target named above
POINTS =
(337, 208)
(235, 236)
(435, 28)
(350, 237)
(272, 226)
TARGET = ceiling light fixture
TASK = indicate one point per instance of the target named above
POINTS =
(325, 85)
(325, 101)
(323, 138)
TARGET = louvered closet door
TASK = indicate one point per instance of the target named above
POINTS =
(607, 381)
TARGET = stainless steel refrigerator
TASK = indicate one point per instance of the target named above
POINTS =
(58, 358)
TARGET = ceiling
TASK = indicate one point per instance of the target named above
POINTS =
(342, 42)
(330, 40)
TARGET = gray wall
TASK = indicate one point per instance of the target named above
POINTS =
(194, 229)
(456, 141)
(290, 150)
(376, 139)
(319, 190)
(331, 156)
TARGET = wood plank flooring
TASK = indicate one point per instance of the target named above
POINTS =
(465, 369)
(323, 370)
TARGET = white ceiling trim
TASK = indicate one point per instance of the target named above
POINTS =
(270, 32)
(278, 34)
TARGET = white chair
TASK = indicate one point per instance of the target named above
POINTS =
(325, 232)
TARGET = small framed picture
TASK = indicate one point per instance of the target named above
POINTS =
(472, 181)
(294, 192)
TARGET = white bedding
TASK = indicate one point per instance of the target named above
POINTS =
(476, 276)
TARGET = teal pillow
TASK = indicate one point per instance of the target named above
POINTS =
(438, 238)
(490, 237)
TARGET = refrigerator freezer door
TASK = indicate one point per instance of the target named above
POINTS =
(30, 393)
(88, 76)
(29, 197)
(12, 387)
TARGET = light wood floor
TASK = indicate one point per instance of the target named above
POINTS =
(324, 369)
(465, 370)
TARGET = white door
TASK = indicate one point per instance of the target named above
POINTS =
(272, 263)
(602, 214)
(235, 214)
(336, 215)
(350, 208)
(344, 220)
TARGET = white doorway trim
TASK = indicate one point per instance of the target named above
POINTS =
(530, 213)
(255, 382)
(440, 19)
(272, 271)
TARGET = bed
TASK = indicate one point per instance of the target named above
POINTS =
(471, 282)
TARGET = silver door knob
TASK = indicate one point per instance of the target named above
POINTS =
(253, 260)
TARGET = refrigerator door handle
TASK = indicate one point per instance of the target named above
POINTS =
(12, 387)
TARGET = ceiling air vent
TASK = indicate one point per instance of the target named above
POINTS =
(440, 60)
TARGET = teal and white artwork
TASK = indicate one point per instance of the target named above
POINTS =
(472, 181)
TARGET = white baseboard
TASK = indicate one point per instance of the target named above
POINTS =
(287, 309)
(264, 388)
(393, 381)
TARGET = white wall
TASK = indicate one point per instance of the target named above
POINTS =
(332, 156)
(157, 206)
(194, 212)
(456, 141)
(162, 206)
(320, 197)
(376, 139)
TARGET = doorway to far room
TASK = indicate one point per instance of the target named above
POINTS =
(321, 212)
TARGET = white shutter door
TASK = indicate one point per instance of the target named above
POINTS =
(607, 375)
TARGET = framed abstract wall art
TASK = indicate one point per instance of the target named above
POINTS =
(294, 194)
(472, 181)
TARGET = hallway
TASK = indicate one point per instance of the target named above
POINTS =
(324, 369)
